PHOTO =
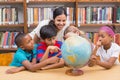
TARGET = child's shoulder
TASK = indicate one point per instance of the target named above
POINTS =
(115, 46)
(59, 42)
(19, 52)
(41, 44)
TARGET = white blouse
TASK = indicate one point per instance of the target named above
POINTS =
(59, 36)
(113, 51)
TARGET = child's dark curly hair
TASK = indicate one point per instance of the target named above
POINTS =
(19, 39)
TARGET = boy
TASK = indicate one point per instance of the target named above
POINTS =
(49, 47)
(25, 56)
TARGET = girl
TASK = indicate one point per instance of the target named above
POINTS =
(105, 49)
(59, 21)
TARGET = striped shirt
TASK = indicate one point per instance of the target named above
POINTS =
(42, 48)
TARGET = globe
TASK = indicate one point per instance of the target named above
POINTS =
(76, 52)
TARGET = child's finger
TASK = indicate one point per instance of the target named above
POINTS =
(58, 48)
(59, 54)
(9, 72)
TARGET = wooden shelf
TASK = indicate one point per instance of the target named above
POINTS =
(117, 25)
(52, 1)
(33, 25)
(10, 2)
(8, 49)
(97, 25)
(98, 1)
(12, 25)
(91, 25)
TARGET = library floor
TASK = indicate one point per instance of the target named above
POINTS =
(90, 73)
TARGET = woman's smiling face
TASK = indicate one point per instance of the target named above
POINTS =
(60, 21)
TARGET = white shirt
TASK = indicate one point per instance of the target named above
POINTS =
(59, 36)
(113, 51)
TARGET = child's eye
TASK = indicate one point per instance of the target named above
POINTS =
(103, 36)
(99, 35)
(54, 38)
(49, 39)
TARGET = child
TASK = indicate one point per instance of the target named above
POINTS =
(105, 49)
(72, 29)
(49, 47)
(25, 56)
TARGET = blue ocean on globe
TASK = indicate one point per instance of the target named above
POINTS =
(76, 51)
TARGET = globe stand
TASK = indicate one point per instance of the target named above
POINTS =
(74, 72)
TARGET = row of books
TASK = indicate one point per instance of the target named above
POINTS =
(94, 37)
(8, 16)
(35, 15)
(88, 15)
(10, 0)
(7, 39)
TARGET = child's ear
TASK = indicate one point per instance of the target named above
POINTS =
(111, 38)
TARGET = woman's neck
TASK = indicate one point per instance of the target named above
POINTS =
(57, 29)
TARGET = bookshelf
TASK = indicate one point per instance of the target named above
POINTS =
(100, 5)
(26, 24)
(92, 14)
(12, 19)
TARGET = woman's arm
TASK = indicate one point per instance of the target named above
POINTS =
(36, 39)
(35, 33)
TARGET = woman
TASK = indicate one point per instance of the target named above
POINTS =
(59, 20)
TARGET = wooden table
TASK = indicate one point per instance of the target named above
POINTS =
(90, 73)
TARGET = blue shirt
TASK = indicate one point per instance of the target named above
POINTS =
(22, 55)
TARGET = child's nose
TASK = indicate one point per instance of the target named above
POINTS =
(32, 41)
(100, 39)
(52, 41)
